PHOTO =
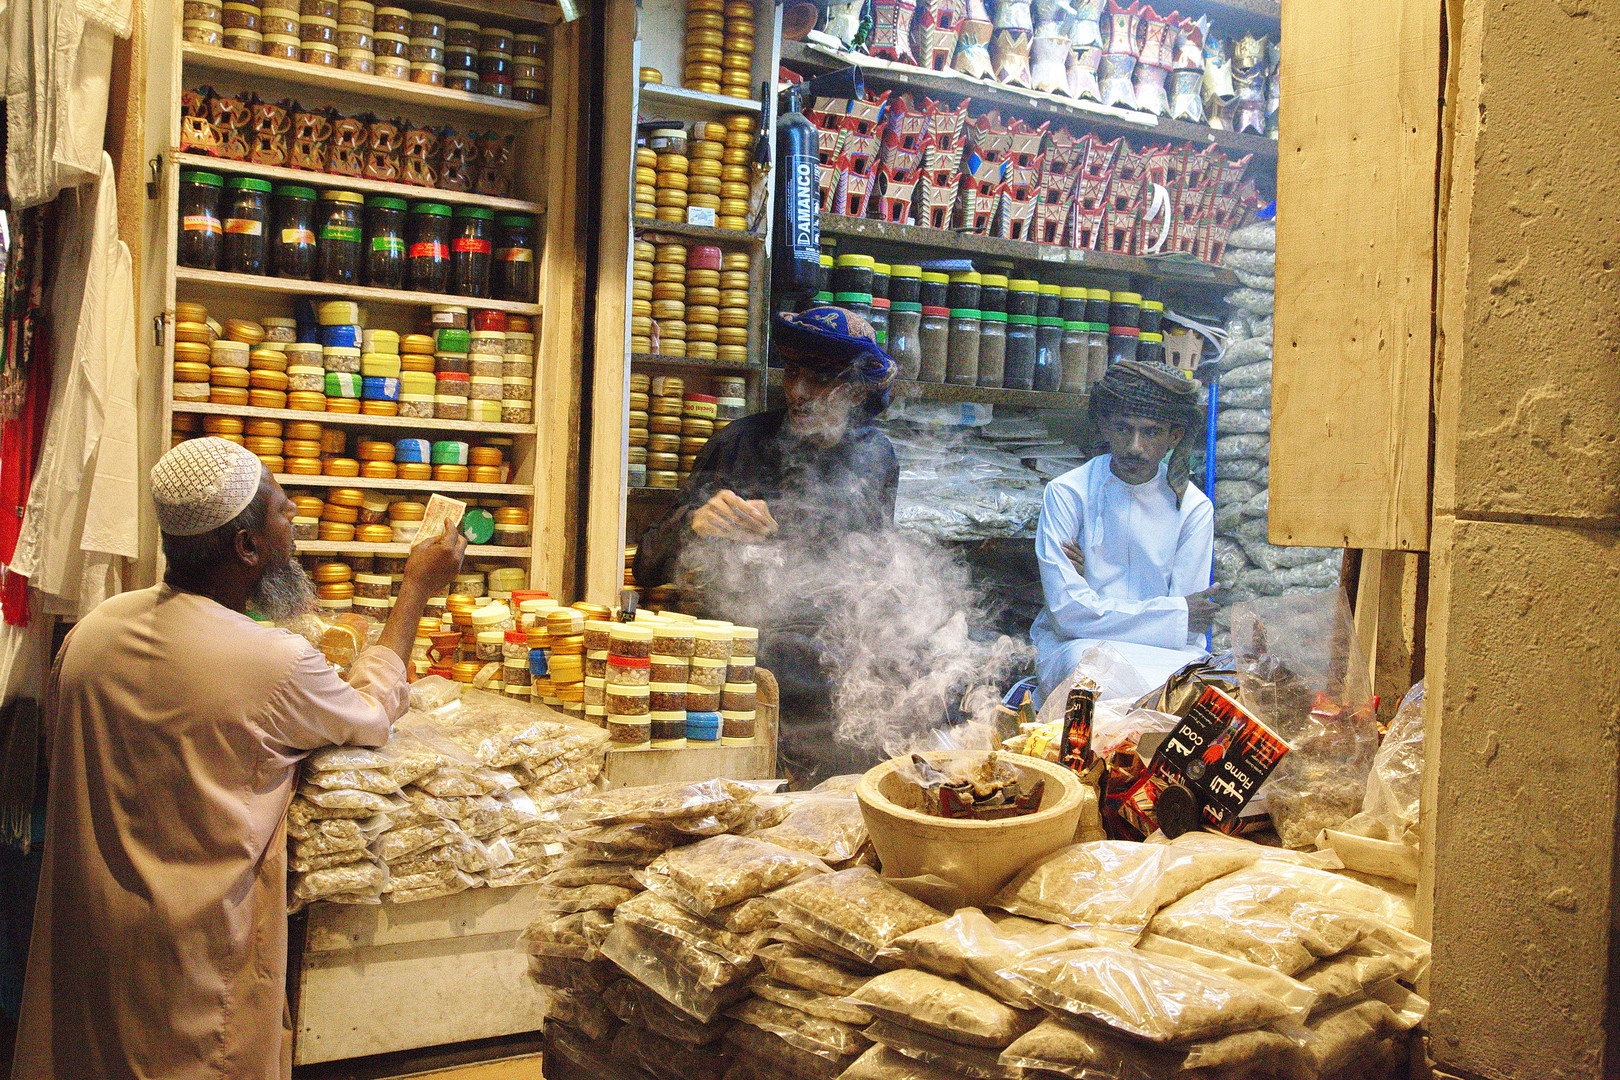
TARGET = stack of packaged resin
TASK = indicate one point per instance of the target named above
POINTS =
(657, 923)
(719, 47)
(636, 435)
(464, 794)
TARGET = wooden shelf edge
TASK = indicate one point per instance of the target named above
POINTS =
(370, 86)
(359, 547)
(354, 183)
(353, 419)
(994, 94)
(295, 287)
(698, 232)
(984, 395)
(367, 484)
(947, 240)
(686, 361)
(679, 96)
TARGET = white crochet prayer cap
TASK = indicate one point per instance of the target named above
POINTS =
(202, 484)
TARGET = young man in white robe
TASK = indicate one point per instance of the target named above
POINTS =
(1125, 541)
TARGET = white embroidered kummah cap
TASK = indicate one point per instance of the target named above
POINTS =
(202, 484)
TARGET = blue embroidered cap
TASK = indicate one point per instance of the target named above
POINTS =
(832, 340)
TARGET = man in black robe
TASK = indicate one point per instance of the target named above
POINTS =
(757, 534)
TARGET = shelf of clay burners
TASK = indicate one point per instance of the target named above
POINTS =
(982, 395)
(356, 183)
(949, 243)
(299, 287)
(699, 232)
(264, 71)
(883, 74)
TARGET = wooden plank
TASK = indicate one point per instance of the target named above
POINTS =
(424, 993)
(1355, 275)
(221, 279)
(477, 912)
(700, 232)
(355, 183)
(610, 402)
(353, 419)
(561, 364)
(1143, 127)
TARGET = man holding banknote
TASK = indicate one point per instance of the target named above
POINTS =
(175, 725)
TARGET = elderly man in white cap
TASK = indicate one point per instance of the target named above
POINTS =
(177, 723)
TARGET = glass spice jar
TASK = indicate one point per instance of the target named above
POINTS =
(200, 227)
(933, 337)
(962, 357)
(430, 247)
(385, 242)
(295, 244)
(471, 251)
(512, 275)
(340, 237)
(247, 225)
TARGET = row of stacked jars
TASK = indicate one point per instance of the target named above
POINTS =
(369, 584)
(988, 329)
(345, 238)
(295, 448)
(704, 179)
(689, 300)
(664, 679)
(358, 37)
(669, 426)
(719, 54)
(467, 365)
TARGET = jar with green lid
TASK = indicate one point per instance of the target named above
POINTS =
(1097, 302)
(293, 253)
(857, 302)
(1020, 352)
(429, 251)
(905, 285)
(1152, 316)
(993, 293)
(472, 248)
(385, 242)
(962, 355)
(513, 275)
(1125, 309)
(905, 341)
(1074, 357)
(1049, 339)
(934, 337)
(966, 290)
(340, 237)
(992, 348)
(934, 290)
(1023, 296)
(1096, 352)
(246, 241)
(200, 227)
(1150, 347)
(853, 274)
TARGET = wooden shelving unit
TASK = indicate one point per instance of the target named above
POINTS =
(652, 34)
(547, 183)
(885, 75)
(983, 395)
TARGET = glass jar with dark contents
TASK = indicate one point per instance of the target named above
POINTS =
(430, 247)
(247, 225)
(200, 227)
(385, 242)
(471, 251)
(340, 237)
(993, 293)
(512, 274)
(934, 291)
(1049, 339)
(293, 253)
(966, 290)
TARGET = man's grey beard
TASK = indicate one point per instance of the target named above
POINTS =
(285, 592)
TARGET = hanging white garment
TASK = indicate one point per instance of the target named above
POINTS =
(58, 64)
(84, 504)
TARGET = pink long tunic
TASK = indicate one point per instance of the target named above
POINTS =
(160, 937)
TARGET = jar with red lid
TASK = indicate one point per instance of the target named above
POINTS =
(703, 257)
(700, 406)
(489, 320)
(457, 383)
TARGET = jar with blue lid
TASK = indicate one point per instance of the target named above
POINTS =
(703, 727)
